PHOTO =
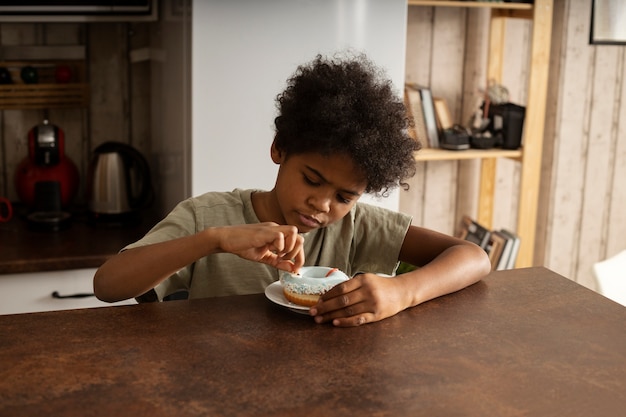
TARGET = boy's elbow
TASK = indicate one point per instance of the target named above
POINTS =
(479, 262)
(101, 289)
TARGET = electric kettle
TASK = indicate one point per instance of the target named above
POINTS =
(119, 180)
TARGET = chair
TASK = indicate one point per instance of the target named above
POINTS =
(610, 275)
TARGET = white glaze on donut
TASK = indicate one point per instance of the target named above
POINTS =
(312, 280)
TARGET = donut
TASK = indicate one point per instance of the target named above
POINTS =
(306, 287)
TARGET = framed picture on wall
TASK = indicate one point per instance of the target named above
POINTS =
(608, 22)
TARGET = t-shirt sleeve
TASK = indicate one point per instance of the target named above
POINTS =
(378, 237)
(179, 222)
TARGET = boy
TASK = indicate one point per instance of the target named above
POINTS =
(341, 132)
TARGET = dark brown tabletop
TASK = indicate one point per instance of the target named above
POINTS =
(525, 342)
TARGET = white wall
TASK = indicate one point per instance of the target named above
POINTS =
(242, 53)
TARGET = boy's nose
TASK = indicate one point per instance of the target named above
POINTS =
(320, 202)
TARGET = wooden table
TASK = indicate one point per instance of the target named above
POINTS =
(526, 342)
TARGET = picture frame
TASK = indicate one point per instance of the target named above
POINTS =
(608, 22)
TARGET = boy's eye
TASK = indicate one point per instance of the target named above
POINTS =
(310, 181)
(343, 200)
(314, 183)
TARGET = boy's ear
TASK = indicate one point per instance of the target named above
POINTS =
(277, 154)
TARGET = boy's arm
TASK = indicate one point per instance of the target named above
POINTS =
(446, 264)
(135, 271)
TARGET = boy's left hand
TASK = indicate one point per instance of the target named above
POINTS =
(363, 299)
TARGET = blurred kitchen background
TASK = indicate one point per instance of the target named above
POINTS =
(191, 85)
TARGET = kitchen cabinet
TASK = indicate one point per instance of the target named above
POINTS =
(529, 156)
(32, 292)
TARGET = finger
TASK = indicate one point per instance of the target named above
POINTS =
(353, 321)
(345, 305)
(285, 265)
(278, 242)
(353, 315)
(298, 260)
(292, 238)
(294, 250)
(343, 288)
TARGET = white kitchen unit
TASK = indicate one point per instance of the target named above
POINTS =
(32, 292)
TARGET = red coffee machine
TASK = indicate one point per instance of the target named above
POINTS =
(46, 180)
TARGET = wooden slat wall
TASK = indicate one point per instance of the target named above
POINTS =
(582, 213)
(586, 208)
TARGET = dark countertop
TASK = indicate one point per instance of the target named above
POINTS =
(523, 342)
(85, 243)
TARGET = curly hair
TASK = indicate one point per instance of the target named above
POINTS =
(346, 106)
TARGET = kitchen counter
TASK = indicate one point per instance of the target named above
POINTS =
(84, 244)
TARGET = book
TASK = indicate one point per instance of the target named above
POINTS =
(428, 110)
(502, 246)
(413, 104)
(505, 254)
(496, 248)
(474, 232)
(444, 118)
(514, 248)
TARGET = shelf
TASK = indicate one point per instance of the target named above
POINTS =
(43, 96)
(46, 93)
(430, 154)
(481, 4)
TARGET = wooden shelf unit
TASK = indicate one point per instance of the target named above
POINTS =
(540, 13)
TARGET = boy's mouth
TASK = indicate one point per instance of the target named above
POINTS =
(309, 221)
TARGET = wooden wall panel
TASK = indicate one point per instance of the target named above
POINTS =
(446, 80)
(435, 40)
(474, 82)
(595, 205)
(417, 68)
(109, 111)
(552, 111)
(572, 126)
(616, 224)
(140, 86)
(585, 217)
(515, 72)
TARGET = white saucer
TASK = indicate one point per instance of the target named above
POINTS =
(274, 292)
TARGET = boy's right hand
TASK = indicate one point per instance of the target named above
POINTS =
(269, 243)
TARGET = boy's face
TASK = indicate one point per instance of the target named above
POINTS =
(313, 190)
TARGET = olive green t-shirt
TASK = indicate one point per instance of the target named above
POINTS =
(368, 239)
